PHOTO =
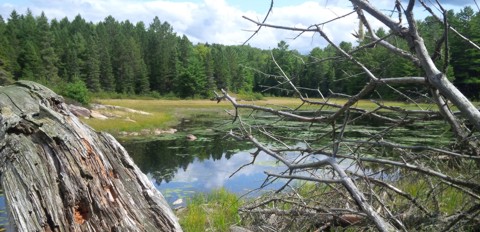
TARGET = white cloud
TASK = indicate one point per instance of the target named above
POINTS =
(310, 13)
(223, 168)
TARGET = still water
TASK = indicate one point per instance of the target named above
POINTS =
(180, 168)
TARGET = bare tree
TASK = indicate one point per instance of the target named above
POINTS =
(372, 179)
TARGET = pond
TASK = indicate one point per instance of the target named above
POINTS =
(180, 168)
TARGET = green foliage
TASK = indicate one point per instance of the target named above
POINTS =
(464, 57)
(76, 91)
(249, 96)
(215, 211)
(447, 200)
(133, 59)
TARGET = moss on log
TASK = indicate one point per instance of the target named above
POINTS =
(60, 175)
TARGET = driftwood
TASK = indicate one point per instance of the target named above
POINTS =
(60, 175)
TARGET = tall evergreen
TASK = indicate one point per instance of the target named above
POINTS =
(12, 34)
(3, 43)
(91, 66)
(464, 56)
(221, 72)
(115, 56)
(107, 80)
(162, 56)
(48, 70)
(61, 41)
(316, 72)
(206, 54)
(141, 85)
(28, 57)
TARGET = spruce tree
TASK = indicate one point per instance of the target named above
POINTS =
(48, 70)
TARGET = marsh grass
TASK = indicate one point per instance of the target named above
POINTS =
(364, 104)
(132, 122)
(163, 113)
(168, 113)
(215, 211)
(446, 200)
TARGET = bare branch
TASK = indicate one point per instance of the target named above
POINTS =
(449, 27)
(383, 42)
(396, 190)
(308, 178)
(259, 27)
(434, 76)
(369, 167)
(424, 170)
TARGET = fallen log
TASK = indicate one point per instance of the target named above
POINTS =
(60, 175)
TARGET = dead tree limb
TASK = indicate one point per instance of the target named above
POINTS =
(366, 165)
(60, 175)
(436, 78)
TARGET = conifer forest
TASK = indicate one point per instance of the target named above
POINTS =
(151, 59)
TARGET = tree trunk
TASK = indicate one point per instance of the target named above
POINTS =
(60, 175)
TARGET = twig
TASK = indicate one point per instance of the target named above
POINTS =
(259, 27)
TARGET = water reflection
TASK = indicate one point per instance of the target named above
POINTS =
(181, 168)
(3, 211)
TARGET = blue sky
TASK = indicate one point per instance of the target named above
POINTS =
(219, 21)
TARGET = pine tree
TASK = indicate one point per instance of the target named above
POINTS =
(142, 84)
(3, 43)
(205, 55)
(107, 80)
(14, 44)
(5, 76)
(48, 70)
(121, 59)
(221, 74)
(29, 58)
(192, 80)
(316, 73)
(140, 68)
(13, 48)
(91, 68)
(29, 61)
(75, 56)
(162, 56)
(60, 31)
(464, 55)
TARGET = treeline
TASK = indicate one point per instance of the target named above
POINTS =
(126, 58)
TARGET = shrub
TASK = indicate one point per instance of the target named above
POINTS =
(249, 96)
(77, 91)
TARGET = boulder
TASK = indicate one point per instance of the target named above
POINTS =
(79, 111)
(97, 115)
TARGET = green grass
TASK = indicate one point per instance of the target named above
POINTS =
(215, 211)
(163, 113)
(167, 113)
(136, 122)
(449, 199)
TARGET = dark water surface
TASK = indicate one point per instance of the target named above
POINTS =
(180, 168)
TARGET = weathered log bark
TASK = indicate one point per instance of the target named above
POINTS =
(60, 175)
